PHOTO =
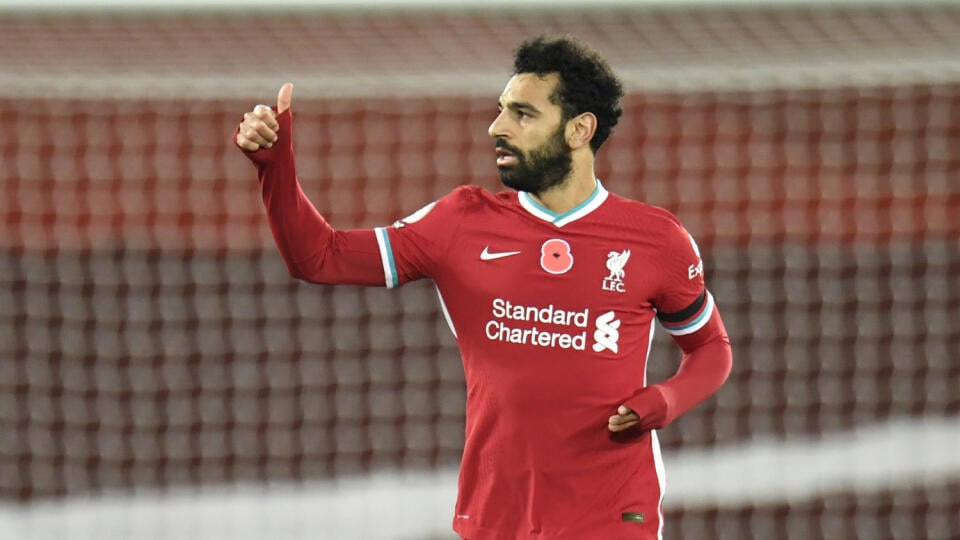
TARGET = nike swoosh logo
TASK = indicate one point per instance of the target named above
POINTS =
(486, 255)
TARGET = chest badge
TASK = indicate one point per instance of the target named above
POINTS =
(615, 263)
(555, 256)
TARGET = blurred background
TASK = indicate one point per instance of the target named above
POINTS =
(162, 377)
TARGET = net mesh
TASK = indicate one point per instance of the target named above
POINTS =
(150, 336)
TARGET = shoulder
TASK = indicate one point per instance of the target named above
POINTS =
(657, 228)
(647, 217)
(470, 192)
(471, 198)
(461, 201)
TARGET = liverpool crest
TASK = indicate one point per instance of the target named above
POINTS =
(615, 263)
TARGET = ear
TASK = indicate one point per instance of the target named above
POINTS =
(580, 130)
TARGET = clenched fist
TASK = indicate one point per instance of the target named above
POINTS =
(259, 127)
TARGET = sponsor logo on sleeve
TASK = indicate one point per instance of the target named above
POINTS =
(414, 217)
(695, 269)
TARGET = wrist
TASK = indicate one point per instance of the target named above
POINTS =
(651, 405)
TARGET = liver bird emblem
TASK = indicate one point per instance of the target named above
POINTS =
(616, 262)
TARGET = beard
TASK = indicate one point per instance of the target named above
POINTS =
(543, 168)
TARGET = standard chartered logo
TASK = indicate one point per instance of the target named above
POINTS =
(608, 332)
(561, 328)
(502, 328)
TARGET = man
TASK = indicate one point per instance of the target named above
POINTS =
(550, 290)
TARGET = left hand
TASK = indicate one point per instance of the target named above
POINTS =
(259, 127)
(623, 420)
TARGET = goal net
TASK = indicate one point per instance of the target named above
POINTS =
(162, 376)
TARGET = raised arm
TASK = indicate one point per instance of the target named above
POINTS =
(312, 249)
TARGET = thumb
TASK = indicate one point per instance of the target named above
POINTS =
(284, 97)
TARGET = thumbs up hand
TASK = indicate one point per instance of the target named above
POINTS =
(260, 128)
(284, 97)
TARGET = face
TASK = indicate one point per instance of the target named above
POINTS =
(529, 133)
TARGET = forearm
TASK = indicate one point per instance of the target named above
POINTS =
(301, 234)
(706, 363)
(310, 247)
(702, 372)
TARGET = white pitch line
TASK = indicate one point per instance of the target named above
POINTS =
(900, 454)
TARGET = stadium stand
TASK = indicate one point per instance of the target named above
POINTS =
(152, 342)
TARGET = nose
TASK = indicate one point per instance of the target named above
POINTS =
(497, 128)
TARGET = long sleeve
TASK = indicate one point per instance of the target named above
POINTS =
(312, 249)
(706, 363)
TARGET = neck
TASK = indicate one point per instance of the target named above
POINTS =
(567, 195)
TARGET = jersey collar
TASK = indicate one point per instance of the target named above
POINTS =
(538, 210)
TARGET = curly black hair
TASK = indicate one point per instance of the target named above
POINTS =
(587, 84)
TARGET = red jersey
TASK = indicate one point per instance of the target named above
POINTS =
(554, 318)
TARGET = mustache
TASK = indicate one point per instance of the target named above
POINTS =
(502, 144)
